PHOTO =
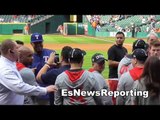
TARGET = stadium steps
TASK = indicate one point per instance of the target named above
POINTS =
(40, 18)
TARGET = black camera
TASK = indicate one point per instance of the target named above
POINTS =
(56, 58)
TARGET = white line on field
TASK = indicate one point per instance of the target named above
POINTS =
(103, 39)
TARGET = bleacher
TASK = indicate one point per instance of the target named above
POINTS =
(147, 24)
(121, 23)
(20, 18)
(39, 18)
(126, 23)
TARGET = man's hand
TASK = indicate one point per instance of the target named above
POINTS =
(51, 59)
(51, 88)
(34, 69)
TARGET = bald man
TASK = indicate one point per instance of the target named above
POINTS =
(25, 59)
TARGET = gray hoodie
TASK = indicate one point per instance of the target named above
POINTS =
(103, 85)
(125, 83)
(146, 98)
(124, 66)
(81, 80)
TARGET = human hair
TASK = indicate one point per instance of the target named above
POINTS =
(6, 45)
(139, 43)
(151, 75)
(152, 33)
(20, 42)
(155, 43)
(76, 60)
(65, 53)
(76, 55)
(120, 33)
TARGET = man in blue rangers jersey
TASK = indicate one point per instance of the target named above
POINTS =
(40, 56)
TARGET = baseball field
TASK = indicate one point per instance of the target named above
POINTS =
(90, 44)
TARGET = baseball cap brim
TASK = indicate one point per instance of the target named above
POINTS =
(36, 41)
(129, 56)
(101, 59)
(84, 52)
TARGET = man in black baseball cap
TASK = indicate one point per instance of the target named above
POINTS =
(76, 78)
(98, 62)
(125, 63)
(139, 43)
(76, 55)
(98, 66)
(140, 54)
(126, 81)
(98, 58)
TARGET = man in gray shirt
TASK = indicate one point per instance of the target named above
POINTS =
(25, 59)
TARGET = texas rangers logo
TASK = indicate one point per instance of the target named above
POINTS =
(37, 36)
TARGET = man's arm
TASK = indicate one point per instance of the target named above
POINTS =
(44, 69)
(50, 77)
(11, 81)
(112, 57)
(113, 63)
(134, 100)
(58, 99)
(100, 100)
(107, 100)
(120, 100)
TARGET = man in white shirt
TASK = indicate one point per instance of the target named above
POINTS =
(12, 87)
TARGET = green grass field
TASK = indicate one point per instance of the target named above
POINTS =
(59, 39)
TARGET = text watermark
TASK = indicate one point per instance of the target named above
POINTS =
(104, 92)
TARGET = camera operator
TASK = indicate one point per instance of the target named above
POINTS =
(49, 77)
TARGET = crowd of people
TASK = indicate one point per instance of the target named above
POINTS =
(144, 23)
(38, 78)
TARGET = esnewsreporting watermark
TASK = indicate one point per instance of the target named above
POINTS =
(104, 92)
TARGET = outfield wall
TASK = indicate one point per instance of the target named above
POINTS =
(93, 32)
(127, 34)
(50, 25)
(73, 28)
(11, 28)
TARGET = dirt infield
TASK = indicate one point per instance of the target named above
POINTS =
(82, 46)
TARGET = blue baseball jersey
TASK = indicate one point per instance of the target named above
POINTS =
(39, 62)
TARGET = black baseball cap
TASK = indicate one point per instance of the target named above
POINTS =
(98, 57)
(77, 53)
(140, 54)
(139, 43)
